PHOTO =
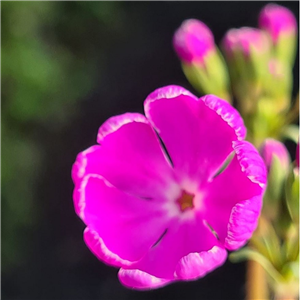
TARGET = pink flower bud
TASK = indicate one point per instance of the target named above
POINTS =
(271, 148)
(246, 40)
(277, 20)
(192, 41)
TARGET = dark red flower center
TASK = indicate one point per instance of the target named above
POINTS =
(185, 201)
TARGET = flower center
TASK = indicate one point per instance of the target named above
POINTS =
(185, 201)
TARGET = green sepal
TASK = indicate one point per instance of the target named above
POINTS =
(275, 192)
(292, 193)
(285, 48)
(290, 245)
(210, 76)
(251, 254)
(278, 84)
(248, 74)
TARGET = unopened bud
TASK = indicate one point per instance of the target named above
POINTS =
(201, 60)
(277, 160)
(247, 51)
(247, 41)
(193, 41)
(281, 25)
(278, 85)
(272, 149)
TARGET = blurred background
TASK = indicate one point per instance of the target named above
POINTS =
(66, 68)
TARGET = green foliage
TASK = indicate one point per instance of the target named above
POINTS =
(46, 69)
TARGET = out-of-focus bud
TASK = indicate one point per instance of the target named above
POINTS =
(201, 60)
(247, 51)
(246, 40)
(281, 25)
(193, 41)
(278, 84)
(277, 160)
(270, 110)
(272, 150)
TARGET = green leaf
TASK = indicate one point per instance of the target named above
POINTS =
(250, 254)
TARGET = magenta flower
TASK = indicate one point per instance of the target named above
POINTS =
(277, 20)
(245, 40)
(193, 41)
(161, 221)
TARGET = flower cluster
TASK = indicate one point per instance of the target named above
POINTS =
(257, 66)
(259, 62)
(165, 195)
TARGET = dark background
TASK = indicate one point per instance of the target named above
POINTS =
(66, 68)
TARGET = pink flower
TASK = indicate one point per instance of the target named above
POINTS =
(193, 41)
(277, 20)
(162, 220)
(245, 40)
(271, 148)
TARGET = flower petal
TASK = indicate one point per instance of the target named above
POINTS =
(87, 162)
(116, 122)
(242, 222)
(97, 246)
(128, 226)
(190, 267)
(130, 157)
(196, 265)
(182, 237)
(198, 133)
(167, 92)
(140, 280)
(222, 205)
